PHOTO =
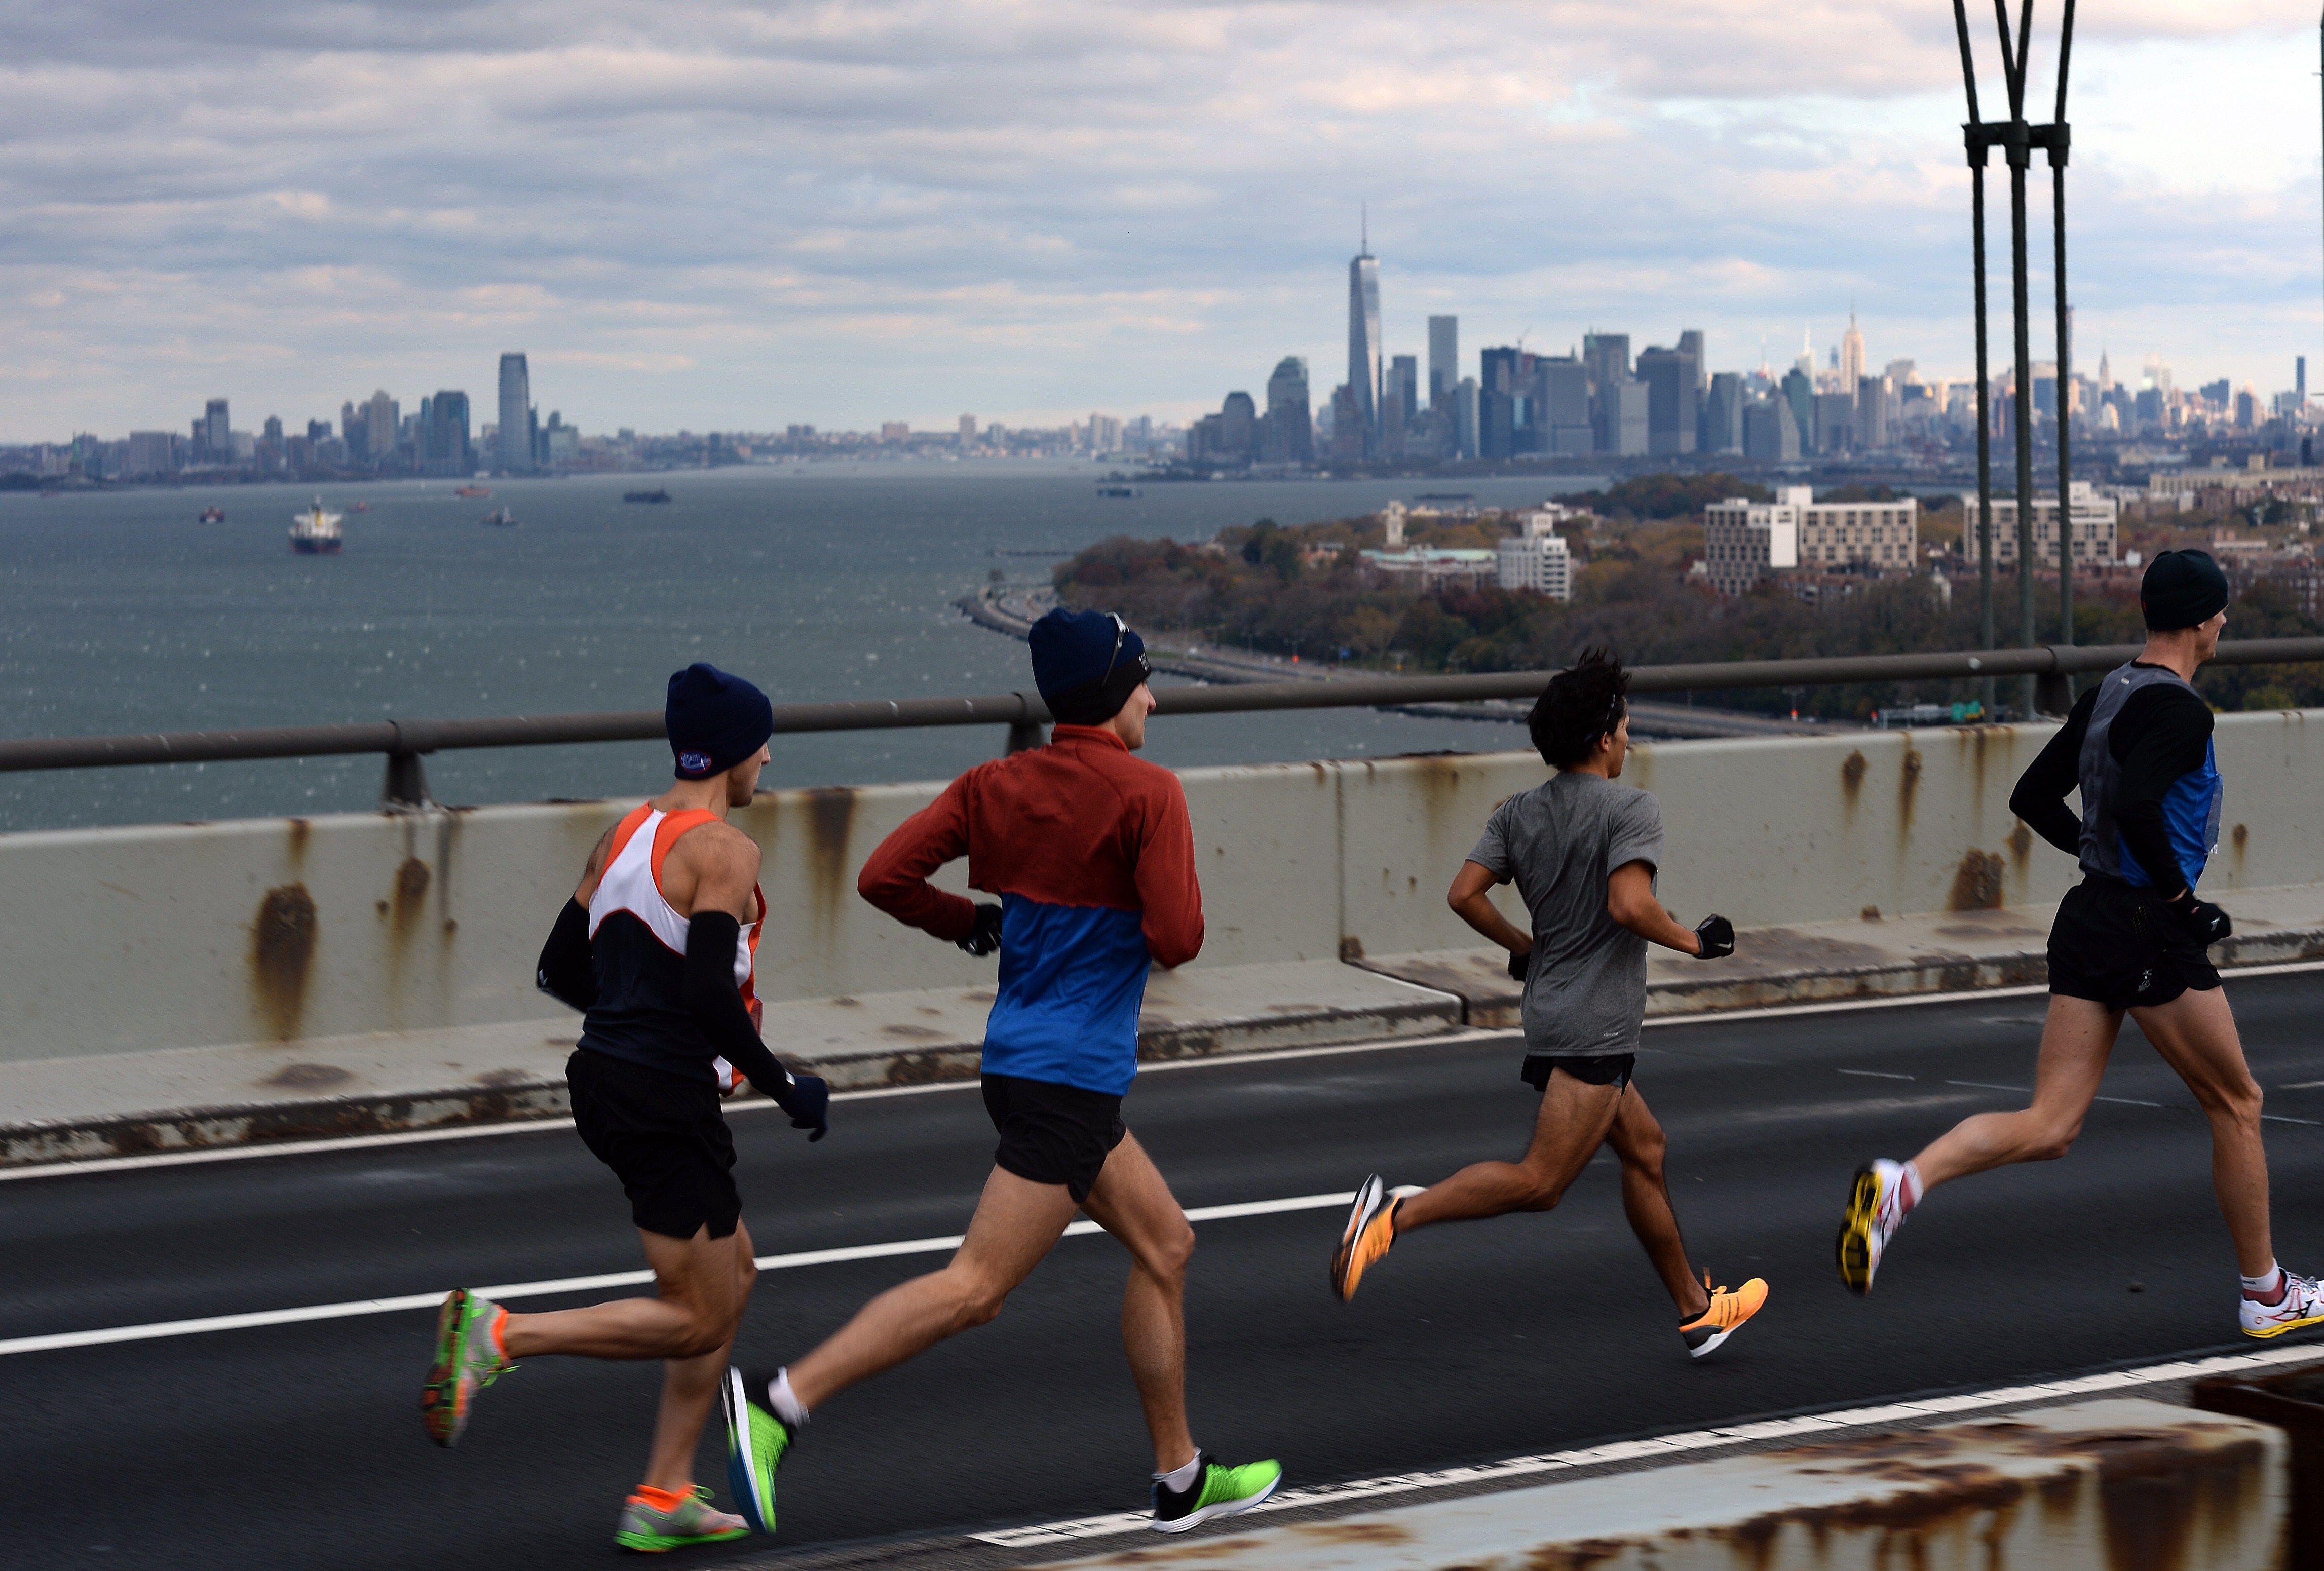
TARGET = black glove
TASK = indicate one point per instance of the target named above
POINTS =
(1716, 936)
(807, 1099)
(984, 938)
(2207, 921)
(1518, 964)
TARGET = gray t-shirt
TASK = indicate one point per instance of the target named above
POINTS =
(1586, 986)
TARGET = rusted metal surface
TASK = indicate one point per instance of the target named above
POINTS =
(2294, 1403)
(2124, 1485)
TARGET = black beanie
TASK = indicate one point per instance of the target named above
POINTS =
(2182, 589)
(1087, 664)
(715, 721)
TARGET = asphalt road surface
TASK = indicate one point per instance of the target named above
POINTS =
(301, 1444)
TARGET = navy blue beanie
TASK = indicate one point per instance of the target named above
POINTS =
(1087, 664)
(715, 721)
(2182, 589)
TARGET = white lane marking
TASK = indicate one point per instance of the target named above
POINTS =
(1693, 1441)
(1876, 1075)
(767, 1262)
(1471, 1034)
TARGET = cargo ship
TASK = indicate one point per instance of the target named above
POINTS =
(315, 532)
(651, 496)
(471, 492)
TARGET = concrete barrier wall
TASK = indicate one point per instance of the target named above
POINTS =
(116, 940)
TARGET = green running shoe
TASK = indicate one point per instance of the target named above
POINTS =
(467, 1359)
(756, 1440)
(1217, 1491)
(649, 1529)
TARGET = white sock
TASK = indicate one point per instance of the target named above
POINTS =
(784, 1400)
(1180, 1482)
(2264, 1286)
(1908, 1190)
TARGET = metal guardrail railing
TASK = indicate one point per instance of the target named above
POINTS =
(405, 741)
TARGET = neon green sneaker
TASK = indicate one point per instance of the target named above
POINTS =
(756, 1440)
(468, 1358)
(1217, 1491)
(652, 1528)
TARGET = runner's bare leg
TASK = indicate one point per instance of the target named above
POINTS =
(1636, 1138)
(1132, 1201)
(2196, 1034)
(1567, 1133)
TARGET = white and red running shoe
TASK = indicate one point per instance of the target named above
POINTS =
(2302, 1304)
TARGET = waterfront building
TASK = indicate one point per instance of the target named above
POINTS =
(380, 422)
(151, 453)
(1434, 565)
(1607, 358)
(1626, 409)
(967, 431)
(1689, 343)
(1288, 437)
(1671, 409)
(1745, 541)
(1834, 426)
(1364, 349)
(2095, 520)
(1444, 360)
(515, 456)
(1535, 561)
(1238, 428)
(1501, 377)
(217, 432)
(445, 448)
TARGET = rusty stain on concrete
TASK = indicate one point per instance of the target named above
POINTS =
(1870, 913)
(411, 880)
(1851, 777)
(1977, 882)
(307, 1077)
(912, 1032)
(830, 816)
(2240, 839)
(1908, 786)
(281, 955)
(297, 832)
(2021, 845)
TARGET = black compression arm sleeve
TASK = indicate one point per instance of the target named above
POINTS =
(716, 1004)
(2160, 736)
(2040, 798)
(565, 972)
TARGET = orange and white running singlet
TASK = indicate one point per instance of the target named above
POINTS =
(637, 944)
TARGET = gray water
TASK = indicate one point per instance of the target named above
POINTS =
(827, 581)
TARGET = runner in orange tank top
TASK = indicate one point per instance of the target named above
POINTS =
(657, 947)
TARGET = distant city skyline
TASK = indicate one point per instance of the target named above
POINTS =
(719, 217)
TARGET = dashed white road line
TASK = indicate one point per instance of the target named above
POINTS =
(1690, 1443)
(350, 1309)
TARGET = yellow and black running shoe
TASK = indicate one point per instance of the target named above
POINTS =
(1371, 1228)
(1876, 1209)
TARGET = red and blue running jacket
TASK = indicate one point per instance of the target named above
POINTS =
(1092, 857)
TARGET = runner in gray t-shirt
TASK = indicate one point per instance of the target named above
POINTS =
(1583, 853)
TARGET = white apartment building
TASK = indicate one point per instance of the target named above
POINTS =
(1539, 562)
(2094, 517)
(1744, 540)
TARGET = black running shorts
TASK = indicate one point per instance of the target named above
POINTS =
(664, 1138)
(1598, 1069)
(2118, 945)
(1052, 1133)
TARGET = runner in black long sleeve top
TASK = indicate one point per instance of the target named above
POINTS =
(2132, 937)
(2160, 735)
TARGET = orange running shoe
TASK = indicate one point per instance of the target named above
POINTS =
(1729, 1308)
(1371, 1228)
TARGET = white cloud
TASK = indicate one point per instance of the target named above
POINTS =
(717, 214)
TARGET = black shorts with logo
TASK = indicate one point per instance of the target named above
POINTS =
(664, 1138)
(1597, 1069)
(1052, 1133)
(2118, 945)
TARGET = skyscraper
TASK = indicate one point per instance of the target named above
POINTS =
(446, 449)
(217, 431)
(1364, 345)
(516, 415)
(1851, 355)
(1444, 360)
(380, 421)
(1690, 342)
(1289, 437)
(1672, 409)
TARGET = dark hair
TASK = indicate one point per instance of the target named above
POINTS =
(1580, 705)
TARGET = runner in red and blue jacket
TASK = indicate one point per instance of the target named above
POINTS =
(1092, 857)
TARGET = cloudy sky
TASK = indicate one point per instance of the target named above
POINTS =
(701, 214)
